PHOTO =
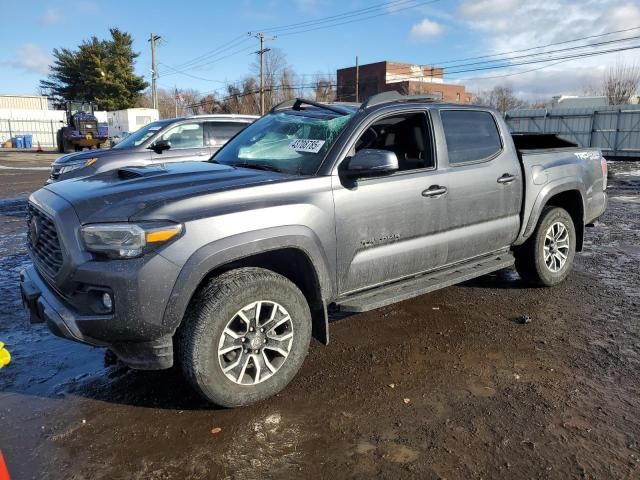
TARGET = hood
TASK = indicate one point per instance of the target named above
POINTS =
(120, 195)
(86, 155)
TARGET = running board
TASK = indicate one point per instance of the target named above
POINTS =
(428, 282)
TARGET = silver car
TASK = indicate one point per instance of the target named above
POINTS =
(172, 140)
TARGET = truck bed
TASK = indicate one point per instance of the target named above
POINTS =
(548, 163)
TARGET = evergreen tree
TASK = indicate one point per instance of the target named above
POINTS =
(99, 71)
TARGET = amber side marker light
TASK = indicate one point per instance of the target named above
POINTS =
(164, 234)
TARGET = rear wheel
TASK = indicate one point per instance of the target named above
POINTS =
(546, 258)
(245, 336)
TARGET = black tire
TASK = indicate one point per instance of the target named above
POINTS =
(209, 314)
(530, 257)
(60, 142)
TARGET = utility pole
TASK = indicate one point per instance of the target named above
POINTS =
(262, 38)
(154, 70)
(176, 94)
(357, 81)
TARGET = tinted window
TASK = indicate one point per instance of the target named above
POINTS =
(187, 135)
(407, 135)
(218, 133)
(470, 135)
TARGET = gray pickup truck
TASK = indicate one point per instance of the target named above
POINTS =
(228, 267)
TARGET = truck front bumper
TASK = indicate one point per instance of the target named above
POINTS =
(44, 305)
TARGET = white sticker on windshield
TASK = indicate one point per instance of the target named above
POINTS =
(306, 145)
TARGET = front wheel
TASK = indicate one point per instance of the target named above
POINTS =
(245, 336)
(546, 258)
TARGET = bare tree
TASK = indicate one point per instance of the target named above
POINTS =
(501, 97)
(621, 83)
(323, 90)
(166, 102)
(187, 101)
(210, 103)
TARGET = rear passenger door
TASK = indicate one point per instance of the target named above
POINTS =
(484, 184)
(216, 134)
(187, 143)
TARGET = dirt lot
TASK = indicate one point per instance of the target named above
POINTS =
(448, 385)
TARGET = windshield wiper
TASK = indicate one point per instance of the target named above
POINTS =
(257, 166)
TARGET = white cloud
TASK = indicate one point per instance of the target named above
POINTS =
(624, 16)
(425, 29)
(50, 17)
(30, 58)
(507, 25)
(486, 7)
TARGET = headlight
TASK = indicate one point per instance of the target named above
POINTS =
(69, 167)
(59, 169)
(127, 240)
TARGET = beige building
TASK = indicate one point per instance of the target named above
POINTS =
(24, 102)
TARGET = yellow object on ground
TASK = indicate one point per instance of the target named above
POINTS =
(5, 356)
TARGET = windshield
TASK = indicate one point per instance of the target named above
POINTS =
(138, 137)
(287, 142)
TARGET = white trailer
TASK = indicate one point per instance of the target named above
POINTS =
(123, 122)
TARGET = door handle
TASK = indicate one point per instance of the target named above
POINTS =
(202, 154)
(506, 178)
(434, 191)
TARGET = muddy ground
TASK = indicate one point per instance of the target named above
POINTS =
(448, 385)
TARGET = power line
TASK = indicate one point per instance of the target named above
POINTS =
(530, 55)
(355, 20)
(387, 6)
(536, 48)
(557, 60)
(211, 62)
(225, 46)
(316, 24)
(457, 64)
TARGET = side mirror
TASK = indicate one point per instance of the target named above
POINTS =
(160, 146)
(372, 161)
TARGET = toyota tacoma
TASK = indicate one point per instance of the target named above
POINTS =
(227, 268)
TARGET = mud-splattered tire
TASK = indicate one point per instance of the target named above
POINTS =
(546, 258)
(254, 319)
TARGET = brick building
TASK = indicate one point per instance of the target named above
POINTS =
(402, 77)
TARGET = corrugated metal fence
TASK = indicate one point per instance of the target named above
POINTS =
(43, 131)
(614, 129)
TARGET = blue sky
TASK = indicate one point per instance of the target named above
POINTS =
(429, 33)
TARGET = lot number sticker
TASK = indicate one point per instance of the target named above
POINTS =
(306, 145)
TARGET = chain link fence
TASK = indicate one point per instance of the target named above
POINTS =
(43, 131)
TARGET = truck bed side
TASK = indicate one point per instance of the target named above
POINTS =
(549, 172)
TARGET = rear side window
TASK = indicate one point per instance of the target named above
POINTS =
(218, 133)
(471, 135)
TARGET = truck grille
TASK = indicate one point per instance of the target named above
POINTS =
(88, 126)
(43, 242)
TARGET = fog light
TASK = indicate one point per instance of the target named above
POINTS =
(107, 301)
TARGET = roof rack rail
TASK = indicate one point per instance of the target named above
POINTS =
(296, 103)
(395, 96)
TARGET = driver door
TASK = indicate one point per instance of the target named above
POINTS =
(187, 143)
(387, 228)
